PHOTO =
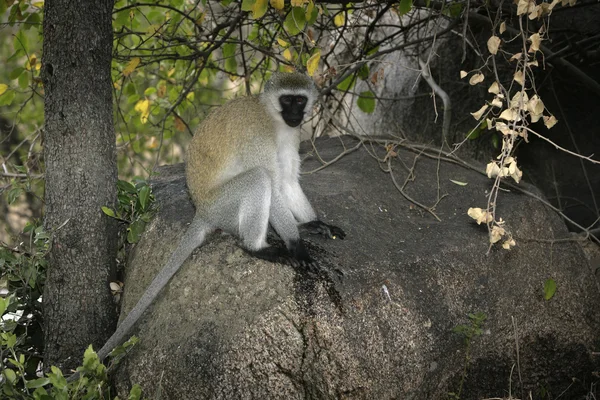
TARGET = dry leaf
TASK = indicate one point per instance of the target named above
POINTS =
(550, 121)
(508, 243)
(519, 77)
(497, 102)
(502, 27)
(496, 234)
(493, 43)
(477, 115)
(480, 215)
(477, 78)
(535, 40)
(463, 74)
(509, 114)
(495, 88)
(522, 7)
(516, 57)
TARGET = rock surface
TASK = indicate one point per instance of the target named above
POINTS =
(378, 322)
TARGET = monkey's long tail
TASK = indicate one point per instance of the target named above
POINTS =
(193, 237)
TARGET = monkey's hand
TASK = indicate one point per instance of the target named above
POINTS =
(321, 228)
(296, 254)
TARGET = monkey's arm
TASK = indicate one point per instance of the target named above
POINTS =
(306, 216)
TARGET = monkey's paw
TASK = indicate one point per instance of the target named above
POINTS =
(317, 227)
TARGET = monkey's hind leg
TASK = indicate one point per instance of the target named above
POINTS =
(245, 205)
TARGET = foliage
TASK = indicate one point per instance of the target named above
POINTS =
(468, 332)
(134, 207)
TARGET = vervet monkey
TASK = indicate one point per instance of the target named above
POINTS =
(242, 174)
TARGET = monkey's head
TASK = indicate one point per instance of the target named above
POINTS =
(288, 96)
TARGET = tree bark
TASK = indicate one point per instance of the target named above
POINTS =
(81, 174)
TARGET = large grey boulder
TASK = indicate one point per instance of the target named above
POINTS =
(377, 322)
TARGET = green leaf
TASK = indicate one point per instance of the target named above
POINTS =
(36, 383)
(126, 187)
(366, 102)
(135, 393)
(311, 14)
(404, 6)
(24, 81)
(549, 288)
(363, 72)
(496, 141)
(134, 232)
(346, 84)
(13, 194)
(295, 21)
(7, 98)
(247, 5)
(10, 375)
(108, 211)
(229, 56)
(3, 304)
(90, 359)
(144, 196)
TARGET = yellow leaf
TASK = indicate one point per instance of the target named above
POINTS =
(339, 19)
(277, 4)
(131, 66)
(31, 63)
(3, 88)
(190, 96)
(259, 8)
(493, 43)
(313, 63)
(297, 3)
(38, 4)
(153, 144)
(459, 183)
(287, 54)
(283, 43)
(143, 107)
(171, 72)
(117, 85)
(475, 79)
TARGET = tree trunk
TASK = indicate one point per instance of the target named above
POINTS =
(81, 174)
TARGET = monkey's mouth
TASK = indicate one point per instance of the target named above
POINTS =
(293, 122)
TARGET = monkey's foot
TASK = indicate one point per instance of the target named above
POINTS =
(317, 227)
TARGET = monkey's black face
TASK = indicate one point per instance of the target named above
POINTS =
(292, 109)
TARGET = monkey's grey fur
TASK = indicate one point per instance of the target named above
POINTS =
(242, 174)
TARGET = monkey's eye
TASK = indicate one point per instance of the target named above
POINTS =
(286, 100)
(301, 100)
